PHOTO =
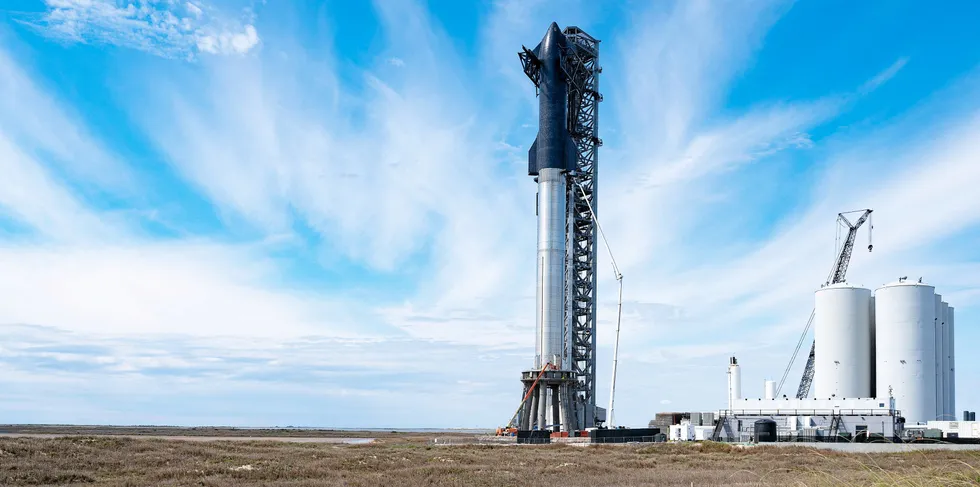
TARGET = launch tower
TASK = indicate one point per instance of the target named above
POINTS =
(559, 392)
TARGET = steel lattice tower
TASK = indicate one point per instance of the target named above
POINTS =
(581, 65)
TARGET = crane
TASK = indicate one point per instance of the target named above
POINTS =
(837, 273)
(611, 417)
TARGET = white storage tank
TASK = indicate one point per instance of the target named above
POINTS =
(940, 337)
(734, 382)
(905, 348)
(871, 345)
(949, 345)
(843, 342)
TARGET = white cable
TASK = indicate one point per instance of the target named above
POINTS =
(619, 313)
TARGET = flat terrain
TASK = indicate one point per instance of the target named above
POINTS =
(166, 431)
(280, 439)
(407, 459)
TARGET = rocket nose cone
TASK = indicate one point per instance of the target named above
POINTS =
(553, 36)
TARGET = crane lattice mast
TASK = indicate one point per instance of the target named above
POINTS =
(837, 275)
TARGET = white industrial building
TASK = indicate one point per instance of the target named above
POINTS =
(879, 357)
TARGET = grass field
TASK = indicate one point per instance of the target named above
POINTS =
(405, 459)
(96, 430)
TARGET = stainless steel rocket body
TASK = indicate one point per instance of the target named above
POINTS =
(550, 157)
(551, 267)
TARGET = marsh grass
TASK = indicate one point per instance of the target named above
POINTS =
(96, 430)
(396, 461)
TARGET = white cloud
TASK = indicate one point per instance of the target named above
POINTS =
(35, 127)
(677, 147)
(397, 62)
(313, 380)
(194, 9)
(144, 288)
(44, 127)
(228, 43)
(30, 195)
(166, 29)
(259, 144)
(884, 76)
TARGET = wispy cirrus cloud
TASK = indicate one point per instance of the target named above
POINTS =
(884, 76)
(331, 374)
(167, 28)
(45, 128)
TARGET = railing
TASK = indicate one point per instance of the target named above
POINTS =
(838, 438)
(511, 440)
(810, 412)
(473, 440)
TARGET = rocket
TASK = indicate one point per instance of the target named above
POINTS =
(551, 156)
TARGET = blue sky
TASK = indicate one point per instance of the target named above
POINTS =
(317, 213)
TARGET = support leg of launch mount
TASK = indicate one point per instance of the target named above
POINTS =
(550, 405)
(723, 427)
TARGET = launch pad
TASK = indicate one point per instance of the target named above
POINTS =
(549, 405)
(559, 393)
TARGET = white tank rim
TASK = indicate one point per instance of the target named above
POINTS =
(907, 283)
(842, 285)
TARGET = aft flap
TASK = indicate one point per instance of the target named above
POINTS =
(532, 159)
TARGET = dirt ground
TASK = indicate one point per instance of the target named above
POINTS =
(396, 460)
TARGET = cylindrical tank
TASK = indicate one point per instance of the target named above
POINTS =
(871, 345)
(940, 334)
(843, 342)
(765, 431)
(734, 382)
(770, 389)
(950, 347)
(905, 348)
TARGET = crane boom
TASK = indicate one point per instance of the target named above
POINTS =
(844, 258)
(836, 276)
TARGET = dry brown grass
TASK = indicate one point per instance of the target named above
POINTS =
(184, 431)
(396, 462)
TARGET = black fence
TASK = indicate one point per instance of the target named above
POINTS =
(626, 435)
(534, 437)
(659, 438)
